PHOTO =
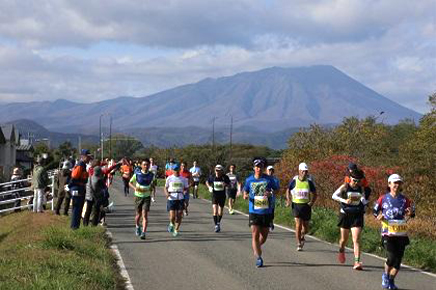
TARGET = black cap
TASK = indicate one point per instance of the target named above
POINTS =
(352, 166)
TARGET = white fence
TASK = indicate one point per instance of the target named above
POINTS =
(19, 190)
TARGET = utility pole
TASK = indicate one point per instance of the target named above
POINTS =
(231, 137)
(213, 140)
(110, 137)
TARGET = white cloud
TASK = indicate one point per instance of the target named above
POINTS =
(54, 49)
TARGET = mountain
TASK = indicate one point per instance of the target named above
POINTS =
(271, 99)
(29, 128)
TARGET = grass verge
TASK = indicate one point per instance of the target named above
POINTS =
(421, 252)
(40, 251)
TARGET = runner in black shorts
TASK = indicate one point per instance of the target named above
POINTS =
(353, 199)
(234, 188)
(303, 193)
(217, 184)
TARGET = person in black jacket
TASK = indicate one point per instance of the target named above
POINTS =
(63, 179)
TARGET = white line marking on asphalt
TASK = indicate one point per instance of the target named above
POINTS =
(325, 242)
(121, 264)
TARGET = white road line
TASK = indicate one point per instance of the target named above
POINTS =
(123, 270)
(325, 242)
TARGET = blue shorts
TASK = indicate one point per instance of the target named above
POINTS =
(175, 204)
(187, 196)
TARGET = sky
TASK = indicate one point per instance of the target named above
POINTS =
(89, 50)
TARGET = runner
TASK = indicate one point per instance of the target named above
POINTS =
(234, 189)
(153, 169)
(142, 183)
(196, 174)
(126, 171)
(184, 172)
(393, 209)
(353, 200)
(217, 185)
(175, 188)
(258, 190)
(170, 166)
(270, 172)
(303, 193)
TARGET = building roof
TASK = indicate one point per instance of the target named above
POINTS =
(9, 133)
(25, 148)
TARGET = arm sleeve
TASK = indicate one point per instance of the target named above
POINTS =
(247, 187)
(312, 186)
(291, 185)
(337, 195)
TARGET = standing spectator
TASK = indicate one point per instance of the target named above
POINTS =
(77, 185)
(63, 178)
(17, 175)
(97, 187)
(39, 184)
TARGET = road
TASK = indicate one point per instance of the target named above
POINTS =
(201, 259)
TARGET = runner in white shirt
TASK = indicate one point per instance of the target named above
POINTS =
(196, 174)
(175, 188)
(153, 169)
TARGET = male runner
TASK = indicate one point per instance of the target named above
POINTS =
(258, 190)
(153, 169)
(270, 172)
(234, 188)
(142, 183)
(300, 190)
(217, 184)
(184, 172)
(196, 174)
(175, 188)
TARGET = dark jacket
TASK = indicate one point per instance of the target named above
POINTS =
(63, 178)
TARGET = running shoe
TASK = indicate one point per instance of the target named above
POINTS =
(153, 200)
(392, 284)
(299, 248)
(341, 257)
(385, 281)
(142, 236)
(175, 233)
(358, 266)
(217, 228)
(170, 228)
(231, 212)
(138, 231)
(259, 262)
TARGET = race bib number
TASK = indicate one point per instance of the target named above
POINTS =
(397, 228)
(176, 187)
(355, 197)
(261, 202)
(218, 186)
(302, 194)
(142, 188)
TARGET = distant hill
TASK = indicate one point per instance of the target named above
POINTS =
(28, 127)
(271, 100)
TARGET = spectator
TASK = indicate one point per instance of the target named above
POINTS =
(39, 185)
(17, 175)
(63, 178)
(77, 185)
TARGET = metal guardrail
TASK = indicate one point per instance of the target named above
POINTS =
(26, 193)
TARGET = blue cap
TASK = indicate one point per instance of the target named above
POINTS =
(85, 152)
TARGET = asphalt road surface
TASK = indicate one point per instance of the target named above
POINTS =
(199, 258)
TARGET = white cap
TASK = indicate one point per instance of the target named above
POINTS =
(270, 167)
(303, 166)
(395, 178)
(219, 167)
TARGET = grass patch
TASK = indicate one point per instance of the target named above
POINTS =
(40, 251)
(421, 252)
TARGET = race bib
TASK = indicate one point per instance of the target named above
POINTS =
(195, 178)
(218, 186)
(397, 228)
(302, 194)
(261, 202)
(142, 188)
(176, 187)
(355, 197)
